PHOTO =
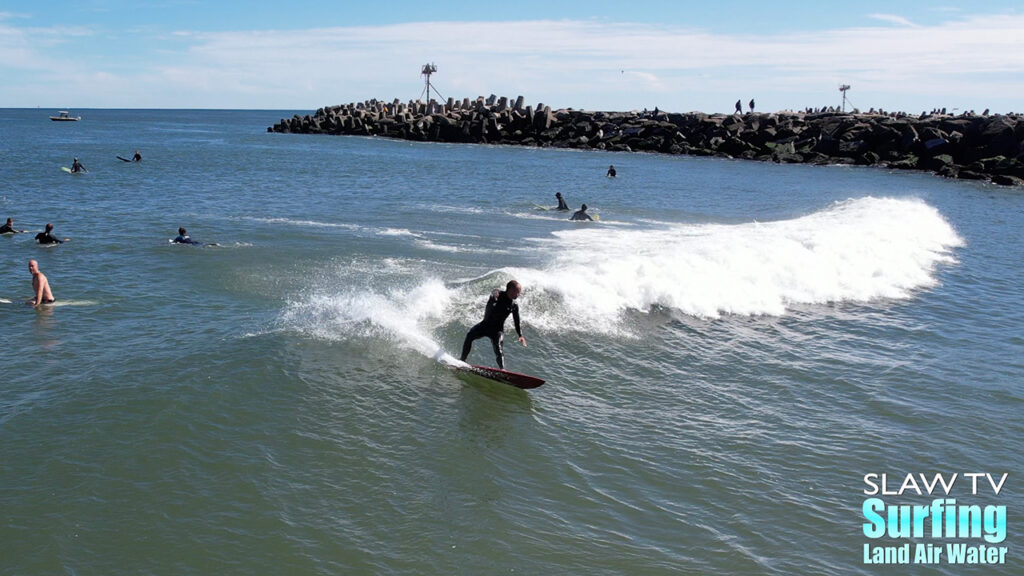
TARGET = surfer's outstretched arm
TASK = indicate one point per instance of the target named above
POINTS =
(519, 330)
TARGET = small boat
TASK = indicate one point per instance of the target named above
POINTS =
(65, 116)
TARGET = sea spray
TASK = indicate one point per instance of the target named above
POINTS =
(394, 314)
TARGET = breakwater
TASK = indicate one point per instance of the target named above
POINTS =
(969, 146)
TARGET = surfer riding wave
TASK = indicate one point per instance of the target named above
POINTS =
(498, 308)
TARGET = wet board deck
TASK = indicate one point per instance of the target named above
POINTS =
(516, 379)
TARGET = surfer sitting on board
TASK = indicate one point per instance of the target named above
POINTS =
(561, 202)
(137, 157)
(77, 167)
(183, 238)
(47, 237)
(499, 306)
(40, 285)
(9, 227)
(581, 214)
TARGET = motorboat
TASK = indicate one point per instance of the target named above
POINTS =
(65, 116)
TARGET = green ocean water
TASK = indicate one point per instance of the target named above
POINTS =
(728, 352)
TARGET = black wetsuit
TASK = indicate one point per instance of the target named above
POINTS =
(47, 238)
(580, 215)
(185, 240)
(7, 229)
(498, 308)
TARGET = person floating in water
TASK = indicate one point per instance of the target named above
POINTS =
(137, 157)
(611, 172)
(581, 214)
(77, 167)
(40, 285)
(561, 202)
(9, 228)
(498, 308)
(183, 238)
(47, 237)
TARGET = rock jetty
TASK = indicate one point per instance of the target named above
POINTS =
(968, 146)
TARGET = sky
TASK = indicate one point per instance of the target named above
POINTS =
(676, 55)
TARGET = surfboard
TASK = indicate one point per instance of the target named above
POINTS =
(72, 303)
(56, 303)
(516, 379)
(66, 169)
(123, 159)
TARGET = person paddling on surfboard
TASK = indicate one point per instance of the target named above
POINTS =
(183, 238)
(77, 167)
(561, 202)
(498, 308)
(47, 237)
(40, 285)
(9, 228)
(581, 214)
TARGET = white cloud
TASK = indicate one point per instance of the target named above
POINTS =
(894, 19)
(29, 48)
(587, 64)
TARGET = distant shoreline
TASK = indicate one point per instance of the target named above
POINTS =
(966, 146)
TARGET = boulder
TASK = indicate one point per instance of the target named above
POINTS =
(1007, 180)
(965, 146)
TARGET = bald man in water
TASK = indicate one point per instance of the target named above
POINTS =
(40, 285)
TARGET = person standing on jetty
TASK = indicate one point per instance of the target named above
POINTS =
(739, 107)
(562, 206)
(751, 105)
(40, 285)
(498, 308)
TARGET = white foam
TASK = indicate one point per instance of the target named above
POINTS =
(857, 250)
(457, 209)
(397, 232)
(459, 248)
(306, 223)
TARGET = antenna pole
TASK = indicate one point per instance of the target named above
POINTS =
(427, 70)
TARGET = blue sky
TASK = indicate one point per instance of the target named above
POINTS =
(597, 55)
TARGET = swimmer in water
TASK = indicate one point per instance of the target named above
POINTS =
(40, 285)
(183, 238)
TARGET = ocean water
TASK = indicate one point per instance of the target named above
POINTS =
(728, 352)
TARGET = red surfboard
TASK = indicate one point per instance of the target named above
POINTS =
(516, 379)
